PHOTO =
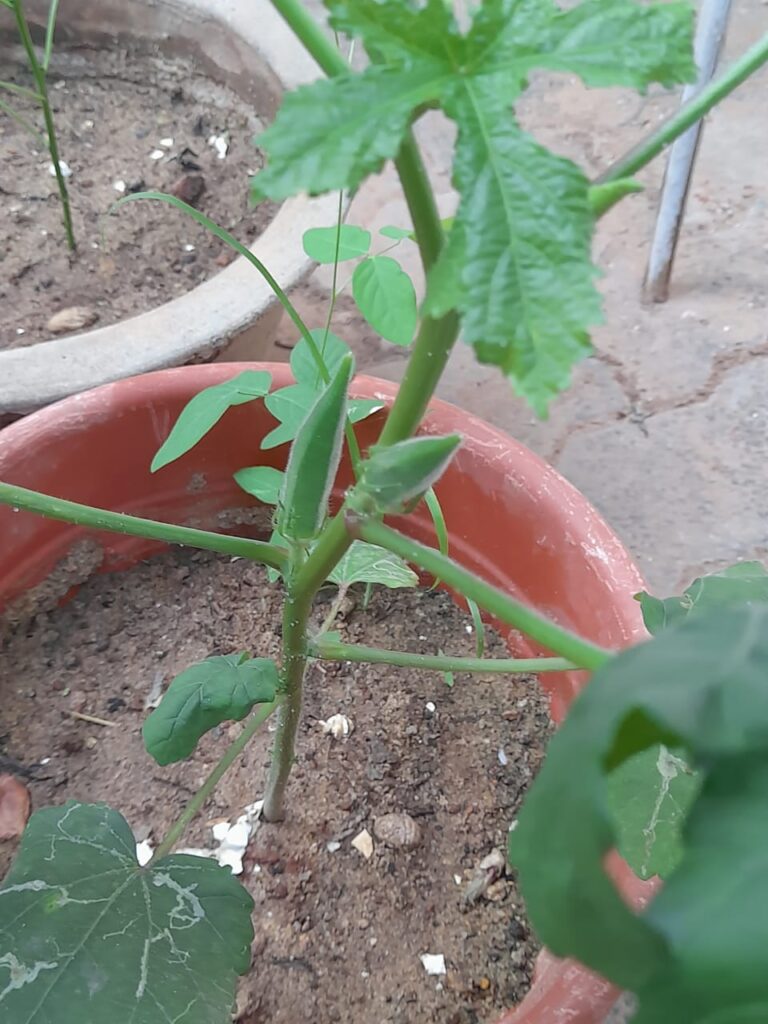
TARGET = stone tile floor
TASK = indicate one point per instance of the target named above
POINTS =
(665, 428)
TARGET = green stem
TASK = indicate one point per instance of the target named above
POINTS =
(50, 128)
(582, 653)
(233, 751)
(243, 250)
(134, 526)
(688, 115)
(332, 650)
(295, 615)
(420, 198)
(327, 553)
(430, 354)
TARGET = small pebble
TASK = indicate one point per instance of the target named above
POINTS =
(73, 318)
(398, 830)
(188, 188)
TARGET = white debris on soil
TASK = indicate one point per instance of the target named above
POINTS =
(220, 143)
(431, 707)
(66, 170)
(119, 185)
(144, 851)
(333, 846)
(157, 154)
(363, 843)
(166, 143)
(434, 963)
(502, 756)
(338, 726)
(232, 839)
(155, 694)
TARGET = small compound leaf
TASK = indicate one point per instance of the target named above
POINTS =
(367, 563)
(314, 459)
(335, 132)
(291, 404)
(304, 365)
(206, 409)
(361, 408)
(394, 475)
(398, 234)
(263, 482)
(742, 583)
(220, 689)
(87, 936)
(386, 297)
(288, 405)
(320, 243)
(649, 796)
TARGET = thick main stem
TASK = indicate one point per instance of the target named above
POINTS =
(295, 615)
(135, 526)
(583, 653)
(50, 128)
(688, 115)
(332, 650)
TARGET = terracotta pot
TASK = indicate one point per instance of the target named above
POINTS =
(511, 518)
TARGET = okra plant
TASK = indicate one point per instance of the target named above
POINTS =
(665, 754)
(38, 67)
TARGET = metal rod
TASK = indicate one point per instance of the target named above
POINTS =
(713, 22)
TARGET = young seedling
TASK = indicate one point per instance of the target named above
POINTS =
(86, 934)
(38, 67)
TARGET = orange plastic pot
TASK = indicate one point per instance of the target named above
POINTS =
(511, 518)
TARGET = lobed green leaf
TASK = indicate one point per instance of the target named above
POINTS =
(87, 936)
(220, 689)
(334, 133)
(741, 583)
(697, 953)
(262, 482)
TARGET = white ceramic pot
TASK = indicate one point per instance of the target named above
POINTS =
(246, 45)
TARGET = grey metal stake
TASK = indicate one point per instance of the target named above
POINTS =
(710, 32)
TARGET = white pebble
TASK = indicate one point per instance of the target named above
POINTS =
(66, 171)
(431, 707)
(156, 154)
(434, 963)
(166, 143)
(119, 185)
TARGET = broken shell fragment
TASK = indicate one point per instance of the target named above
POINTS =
(338, 726)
